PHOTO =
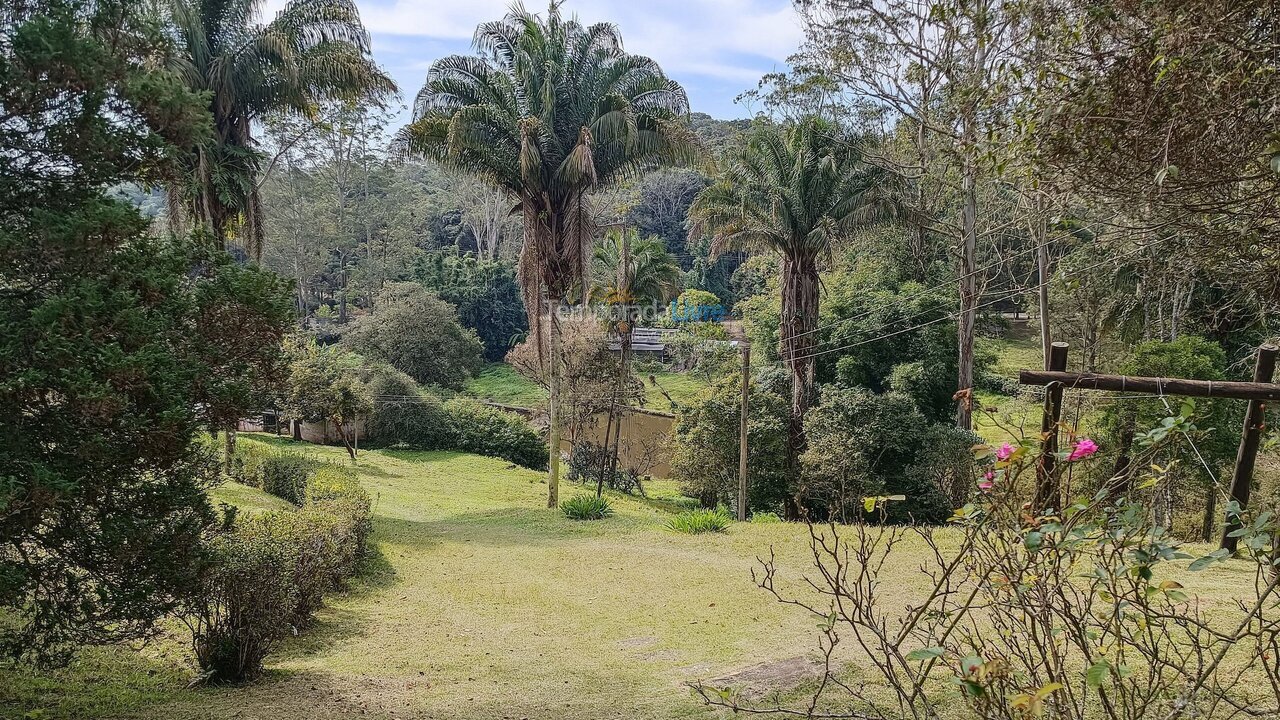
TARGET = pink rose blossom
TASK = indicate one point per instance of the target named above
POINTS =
(1084, 447)
(1005, 451)
(988, 481)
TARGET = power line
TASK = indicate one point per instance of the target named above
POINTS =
(955, 315)
(939, 286)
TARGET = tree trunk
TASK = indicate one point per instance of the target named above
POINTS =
(1210, 513)
(968, 296)
(553, 399)
(229, 452)
(1042, 265)
(799, 318)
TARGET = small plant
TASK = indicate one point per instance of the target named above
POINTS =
(765, 518)
(586, 507)
(696, 522)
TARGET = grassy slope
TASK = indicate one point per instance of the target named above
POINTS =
(483, 604)
(1004, 418)
(488, 605)
(500, 383)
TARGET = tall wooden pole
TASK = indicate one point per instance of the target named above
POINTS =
(742, 433)
(1048, 492)
(1247, 455)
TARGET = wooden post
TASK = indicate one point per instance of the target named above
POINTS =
(742, 433)
(1247, 455)
(1048, 493)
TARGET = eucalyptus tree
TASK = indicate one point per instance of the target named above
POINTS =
(548, 110)
(312, 51)
(795, 190)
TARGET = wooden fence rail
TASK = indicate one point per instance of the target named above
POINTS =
(1056, 379)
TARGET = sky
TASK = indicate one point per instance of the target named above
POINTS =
(716, 49)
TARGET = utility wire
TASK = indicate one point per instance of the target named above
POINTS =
(954, 315)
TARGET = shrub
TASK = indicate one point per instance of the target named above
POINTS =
(404, 414)
(488, 431)
(765, 518)
(696, 522)
(865, 444)
(311, 539)
(336, 490)
(414, 330)
(284, 474)
(270, 573)
(992, 381)
(246, 464)
(586, 507)
(245, 604)
(704, 442)
(587, 462)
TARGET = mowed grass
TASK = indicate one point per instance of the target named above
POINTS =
(483, 604)
(500, 383)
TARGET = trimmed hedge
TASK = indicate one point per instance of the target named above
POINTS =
(271, 571)
(410, 417)
(284, 474)
(483, 430)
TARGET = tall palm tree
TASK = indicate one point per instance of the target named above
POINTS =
(635, 272)
(312, 52)
(549, 110)
(794, 190)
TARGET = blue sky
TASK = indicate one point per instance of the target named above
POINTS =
(716, 49)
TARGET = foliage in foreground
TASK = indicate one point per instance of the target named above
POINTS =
(586, 507)
(1065, 614)
(270, 571)
(701, 520)
(117, 349)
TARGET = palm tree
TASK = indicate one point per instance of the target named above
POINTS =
(549, 110)
(313, 51)
(638, 272)
(795, 190)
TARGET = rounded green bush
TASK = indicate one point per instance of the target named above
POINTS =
(586, 507)
(284, 474)
(488, 431)
(696, 522)
(405, 414)
(765, 518)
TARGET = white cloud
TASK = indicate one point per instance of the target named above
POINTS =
(727, 39)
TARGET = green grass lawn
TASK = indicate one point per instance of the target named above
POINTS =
(500, 383)
(483, 604)
(684, 388)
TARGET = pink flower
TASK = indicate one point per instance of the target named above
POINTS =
(1084, 447)
(1005, 451)
(988, 481)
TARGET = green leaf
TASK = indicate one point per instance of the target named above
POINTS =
(1097, 672)
(1216, 556)
(928, 653)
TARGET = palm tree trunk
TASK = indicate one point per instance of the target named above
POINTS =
(553, 369)
(799, 318)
